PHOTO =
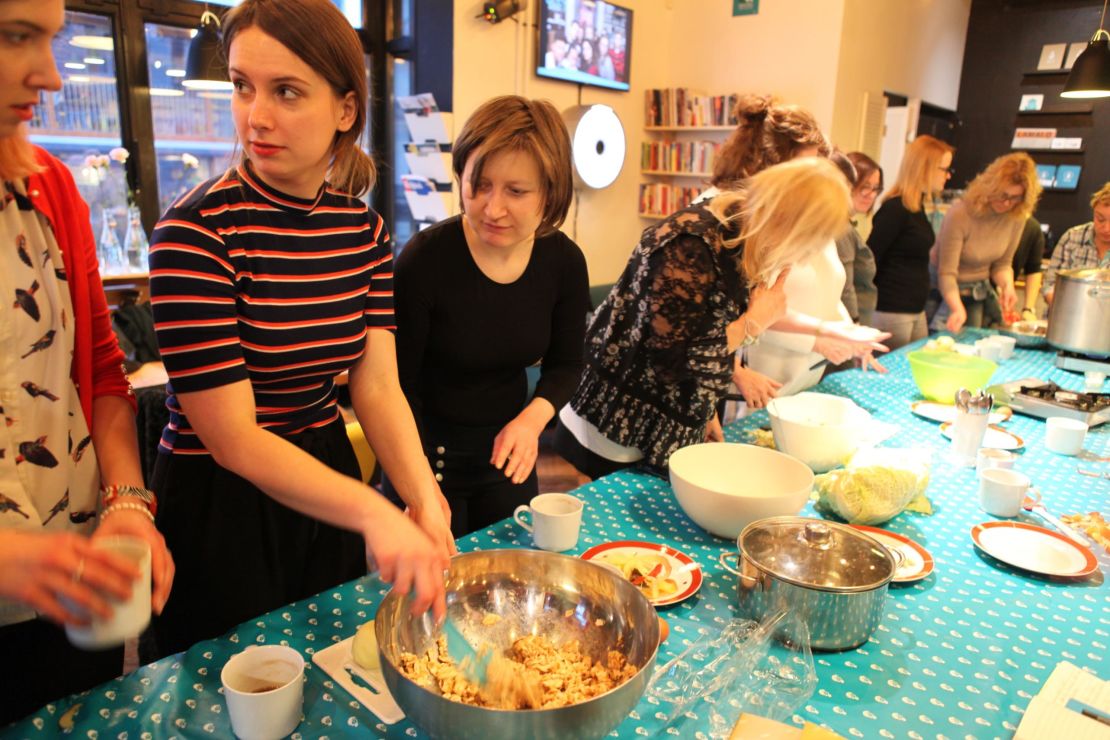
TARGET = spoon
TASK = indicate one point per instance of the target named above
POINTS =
(1034, 505)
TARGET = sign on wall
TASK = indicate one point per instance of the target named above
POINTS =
(745, 7)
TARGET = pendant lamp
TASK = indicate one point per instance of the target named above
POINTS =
(1090, 75)
(205, 66)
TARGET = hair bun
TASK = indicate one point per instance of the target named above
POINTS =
(754, 108)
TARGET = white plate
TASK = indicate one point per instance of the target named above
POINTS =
(686, 572)
(995, 437)
(917, 562)
(1033, 548)
(946, 412)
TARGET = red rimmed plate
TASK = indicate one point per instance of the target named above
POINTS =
(682, 569)
(996, 437)
(1034, 549)
(917, 562)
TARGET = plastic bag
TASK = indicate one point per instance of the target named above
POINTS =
(743, 668)
(876, 485)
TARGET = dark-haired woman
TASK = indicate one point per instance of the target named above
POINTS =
(483, 296)
(859, 262)
(267, 282)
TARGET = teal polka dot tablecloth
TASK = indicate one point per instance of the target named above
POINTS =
(957, 655)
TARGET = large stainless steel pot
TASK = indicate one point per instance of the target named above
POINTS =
(831, 575)
(1079, 319)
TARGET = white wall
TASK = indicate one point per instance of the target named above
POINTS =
(910, 47)
(821, 54)
(499, 60)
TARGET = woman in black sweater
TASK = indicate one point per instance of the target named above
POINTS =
(481, 297)
(901, 237)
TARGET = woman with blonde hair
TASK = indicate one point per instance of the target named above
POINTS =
(267, 282)
(69, 412)
(463, 364)
(699, 285)
(901, 237)
(976, 244)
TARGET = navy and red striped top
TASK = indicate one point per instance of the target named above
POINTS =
(249, 283)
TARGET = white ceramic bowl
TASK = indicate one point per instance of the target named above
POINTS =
(724, 487)
(819, 429)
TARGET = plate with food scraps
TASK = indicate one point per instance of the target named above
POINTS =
(917, 562)
(946, 412)
(995, 437)
(1034, 549)
(663, 574)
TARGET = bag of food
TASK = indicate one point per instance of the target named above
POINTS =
(876, 485)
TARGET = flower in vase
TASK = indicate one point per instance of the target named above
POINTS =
(189, 161)
(119, 154)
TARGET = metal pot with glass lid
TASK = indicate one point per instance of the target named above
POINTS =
(832, 576)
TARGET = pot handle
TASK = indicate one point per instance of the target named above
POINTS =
(746, 581)
(1098, 291)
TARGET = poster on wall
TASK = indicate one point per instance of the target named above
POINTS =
(745, 7)
(1067, 176)
(1046, 175)
(1052, 56)
(1031, 102)
(1033, 138)
(1075, 48)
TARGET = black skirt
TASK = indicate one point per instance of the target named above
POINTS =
(240, 553)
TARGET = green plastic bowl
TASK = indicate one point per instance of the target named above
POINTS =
(940, 374)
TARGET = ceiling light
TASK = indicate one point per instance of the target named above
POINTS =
(1090, 74)
(74, 65)
(166, 92)
(175, 73)
(93, 60)
(78, 78)
(205, 67)
(98, 43)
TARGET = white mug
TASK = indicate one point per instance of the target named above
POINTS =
(990, 457)
(1064, 435)
(556, 519)
(129, 617)
(1001, 491)
(1007, 345)
(988, 350)
(264, 690)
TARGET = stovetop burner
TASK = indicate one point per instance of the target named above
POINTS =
(1052, 393)
(1081, 363)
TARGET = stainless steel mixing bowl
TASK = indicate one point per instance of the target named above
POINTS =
(534, 593)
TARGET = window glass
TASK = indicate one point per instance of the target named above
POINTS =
(80, 124)
(194, 138)
(351, 8)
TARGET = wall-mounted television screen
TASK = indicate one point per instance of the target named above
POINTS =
(585, 41)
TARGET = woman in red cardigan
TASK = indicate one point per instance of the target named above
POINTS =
(69, 461)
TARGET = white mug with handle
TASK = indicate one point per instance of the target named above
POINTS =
(556, 519)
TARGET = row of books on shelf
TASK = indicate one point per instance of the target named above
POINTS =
(657, 199)
(679, 156)
(1059, 177)
(679, 106)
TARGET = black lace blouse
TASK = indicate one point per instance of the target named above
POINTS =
(657, 358)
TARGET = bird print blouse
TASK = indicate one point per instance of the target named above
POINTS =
(48, 469)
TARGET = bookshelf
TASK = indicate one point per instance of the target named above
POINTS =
(685, 130)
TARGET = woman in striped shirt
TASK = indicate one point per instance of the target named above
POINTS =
(267, 282)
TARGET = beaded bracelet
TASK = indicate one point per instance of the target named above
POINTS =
(126, 506)
(111, 494)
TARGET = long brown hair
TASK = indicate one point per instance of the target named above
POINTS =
(767, 133)
(510, 123)
(914, 176)
(318, 33)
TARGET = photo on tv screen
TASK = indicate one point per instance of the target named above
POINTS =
(585, 41)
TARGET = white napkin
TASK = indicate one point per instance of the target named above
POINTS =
(1057, 711)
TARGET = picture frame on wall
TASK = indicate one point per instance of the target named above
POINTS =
(1067, 177)
(1075, 48)
(1046, 175)
(1031, 102)
(1052, 57)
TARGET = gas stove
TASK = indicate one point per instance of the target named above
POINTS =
(1082, 363)
(1040, 398)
